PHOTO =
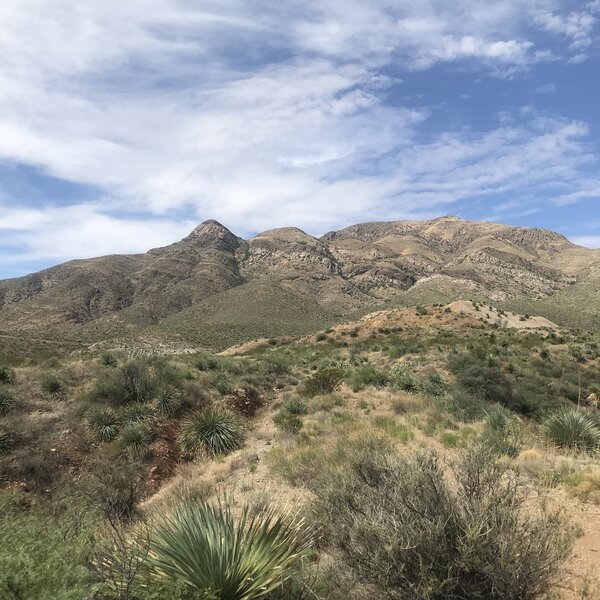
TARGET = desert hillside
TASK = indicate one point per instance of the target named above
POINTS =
(213, 287)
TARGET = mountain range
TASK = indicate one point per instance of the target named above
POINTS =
(214, 288)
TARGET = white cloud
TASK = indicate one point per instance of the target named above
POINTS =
(589, 241)
(260, 113)
(577, 26)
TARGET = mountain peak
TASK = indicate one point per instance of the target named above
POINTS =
(211, 232)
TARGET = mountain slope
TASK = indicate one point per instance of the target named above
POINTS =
(214, 287)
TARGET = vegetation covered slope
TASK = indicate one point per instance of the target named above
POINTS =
(456, 444)
(215, 289)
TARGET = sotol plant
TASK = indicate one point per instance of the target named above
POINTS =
(203, 546)
(167, 400)
(214, 430)
(103, 423)
(572, 429)
(134, 440)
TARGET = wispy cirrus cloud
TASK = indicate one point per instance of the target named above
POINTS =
(265, 114)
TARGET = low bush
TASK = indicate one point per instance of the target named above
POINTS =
(167, 400)
(103, 423)
(402, 526)
(135, 413)
(207, 362)
(6, 440)
(213, 430)
(406, 381)
(296, 406)
(7, 375)
(134, 440)
(8, 401)
(217, 555)
(572, 429)
(108, 359)
(288, 422)
(222, 383)
(53, 385)
(324, 381)
(367, 375)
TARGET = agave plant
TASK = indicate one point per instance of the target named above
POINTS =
(572, 429)
(214, 430)
(204, 547)
(103, 423)
(167, 400)
(7, 401)
(134, 440)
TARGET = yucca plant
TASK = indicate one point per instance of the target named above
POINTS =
(6, 442)
(216, 555)
(134, 413)
(572, 429)
(53, 386)
(407, 382)
(103, 423)
(214, 430)
(498, 417)
(134, 440)
(167, 400)
(7, 400)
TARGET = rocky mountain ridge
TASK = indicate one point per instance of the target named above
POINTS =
(284, 275)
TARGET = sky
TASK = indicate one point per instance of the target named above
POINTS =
(123, 124)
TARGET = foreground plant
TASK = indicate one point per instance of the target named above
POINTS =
(53, 386)
(103, 423)
(572, 429)
(7, 401)
(403, 526)
(135, 440)
(214, 430)
(218, 556)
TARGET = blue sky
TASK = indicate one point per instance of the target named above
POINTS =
(124, 124)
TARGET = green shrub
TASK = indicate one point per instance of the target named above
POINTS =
(572, 429)
(167, 400)
(502, 432)
(103, 423)
(288, 422)
(218, 556)
(221, 382)
(214, 430)
(7, 375)
(108, 359)
(6, 440)
(207, 362)
(134, 440)
(393, 428)
(403, 526)
(367, 375)
(137, 382)
(53, 386)
(324, 381)
(134, 413)
(407, 382)
(435, 384)
(8, 401)
(296, 406)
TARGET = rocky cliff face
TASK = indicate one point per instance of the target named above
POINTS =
(356, 268)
